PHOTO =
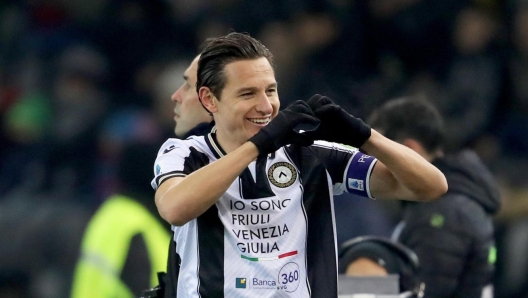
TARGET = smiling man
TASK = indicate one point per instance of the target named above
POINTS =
(251, 202)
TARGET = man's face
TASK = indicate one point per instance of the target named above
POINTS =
(188, 110)
(248, 101)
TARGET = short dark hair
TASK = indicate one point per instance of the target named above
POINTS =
(218, 52)
(410, 117)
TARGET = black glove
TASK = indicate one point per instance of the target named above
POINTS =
(337, 125)
(281, 130)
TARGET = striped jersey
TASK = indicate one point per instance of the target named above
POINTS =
(272, 234)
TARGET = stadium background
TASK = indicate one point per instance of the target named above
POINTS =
(81, 79)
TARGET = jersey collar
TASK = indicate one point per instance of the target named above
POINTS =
(213, 144)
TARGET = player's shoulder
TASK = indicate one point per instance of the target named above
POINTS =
(173, 144)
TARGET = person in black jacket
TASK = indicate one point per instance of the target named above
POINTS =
(453, 236)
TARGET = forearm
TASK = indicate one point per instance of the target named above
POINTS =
(181, 202)
(409, 175)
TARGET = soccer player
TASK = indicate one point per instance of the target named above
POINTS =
(251, 202)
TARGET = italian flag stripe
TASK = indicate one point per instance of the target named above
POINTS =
(284, 255)
(288, 254)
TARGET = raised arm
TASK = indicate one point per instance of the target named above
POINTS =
(181, 199)
(400, 173)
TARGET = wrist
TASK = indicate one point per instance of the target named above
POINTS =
(359, 133)
(372, 142)
(250, 150)
(262, 142)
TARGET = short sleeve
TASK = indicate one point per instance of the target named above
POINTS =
(173, 160)
(349, 168)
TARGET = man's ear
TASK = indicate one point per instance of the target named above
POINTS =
(208, 99)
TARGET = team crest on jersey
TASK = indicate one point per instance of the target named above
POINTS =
(282, 174)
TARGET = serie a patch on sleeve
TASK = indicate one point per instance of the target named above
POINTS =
(358, 174)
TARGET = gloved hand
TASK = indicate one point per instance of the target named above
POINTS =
(337, 125)
(281, 130)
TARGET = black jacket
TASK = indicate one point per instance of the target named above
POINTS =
(454, 236)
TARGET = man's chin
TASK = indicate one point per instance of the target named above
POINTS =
(178, 133)
(252, 133)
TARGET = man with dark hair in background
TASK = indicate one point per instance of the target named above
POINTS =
(251, 202)
(453, 236)
(190, 117)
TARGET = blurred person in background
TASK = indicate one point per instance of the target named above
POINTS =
(80, 104)
(415, 31)
(26, 126)
(191, 117)
(513, 126)
(128, 124)
(125, 242)
(160, 89)
(466, 88)
(453, 236)
(511, 161)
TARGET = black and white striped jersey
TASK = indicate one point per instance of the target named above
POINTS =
(272, 234)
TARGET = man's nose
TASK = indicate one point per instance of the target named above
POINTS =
(176, 96)
(264, 105)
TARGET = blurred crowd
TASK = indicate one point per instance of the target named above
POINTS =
(79, 80)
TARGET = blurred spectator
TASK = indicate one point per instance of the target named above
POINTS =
(122, 127)
(125, 243)
(512, 260)
(513, 127)
(169, 77)
(190, 115)
(454, 235)
(336, 58)
(26, 126)
(79, 105)
(40, 234)
(190, 119)
(13, 284)
(281, 39)
(467, 92)
(474, 79)
(130, 33)
(416, 31)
